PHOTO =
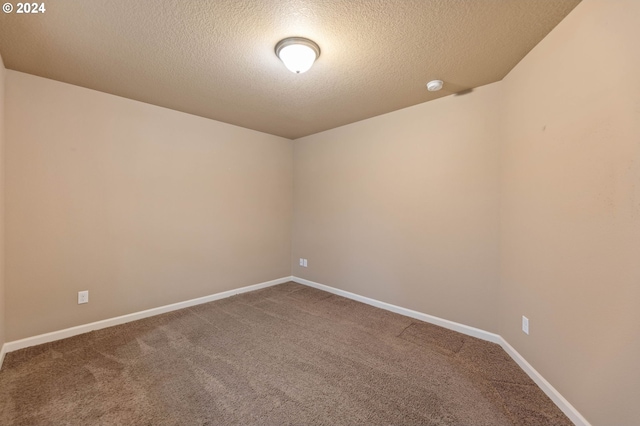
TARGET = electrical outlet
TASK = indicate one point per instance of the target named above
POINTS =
(305, 263)
(83, 297)
(301, 262)
(525, 324)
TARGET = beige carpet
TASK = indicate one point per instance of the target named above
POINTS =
(287, 354)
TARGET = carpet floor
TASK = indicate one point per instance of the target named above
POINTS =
(287, 354)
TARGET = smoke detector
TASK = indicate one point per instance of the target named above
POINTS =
(434, 85)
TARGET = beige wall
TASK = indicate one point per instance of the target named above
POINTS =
(140, 205)
(570, 235)
(2, 132)
(403, 207)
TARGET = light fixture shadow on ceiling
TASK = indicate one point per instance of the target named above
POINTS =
(463, 92)
(457, 89)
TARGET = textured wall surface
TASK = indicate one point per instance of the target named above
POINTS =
(570, 251)
(403, 207)
(216, 59)
(140, 205)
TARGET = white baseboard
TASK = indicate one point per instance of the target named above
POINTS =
(564, 405)
(3, 352)
(451, 325)
(85, 328)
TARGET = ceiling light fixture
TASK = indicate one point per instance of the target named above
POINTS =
(434, 85)
(297, 54)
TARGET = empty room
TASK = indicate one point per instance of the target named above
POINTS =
(403, 212)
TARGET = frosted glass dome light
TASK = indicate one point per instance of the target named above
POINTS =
(297, 54)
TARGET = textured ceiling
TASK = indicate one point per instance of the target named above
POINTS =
(216, 59)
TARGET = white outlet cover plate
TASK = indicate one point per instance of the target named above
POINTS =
(83, 297)
(525, 324)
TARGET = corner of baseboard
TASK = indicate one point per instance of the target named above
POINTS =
(569, 410)
(555, 396)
